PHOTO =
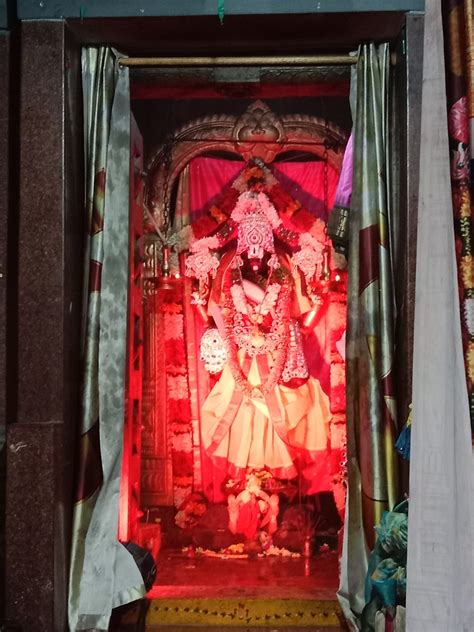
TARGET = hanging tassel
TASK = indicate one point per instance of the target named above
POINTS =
(220, 10)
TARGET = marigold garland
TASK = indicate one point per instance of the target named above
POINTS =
(180, 434)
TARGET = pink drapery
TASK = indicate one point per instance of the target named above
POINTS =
(305, 181)
(207, 178)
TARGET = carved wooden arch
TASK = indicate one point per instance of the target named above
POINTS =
(258, 133)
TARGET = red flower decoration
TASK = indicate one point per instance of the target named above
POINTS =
(179, 410)
(280, 198)
(338, 398)
(204, 226)
(175, 353)
(182, 463)
(303, 220)
(171, 307)
(229, 200)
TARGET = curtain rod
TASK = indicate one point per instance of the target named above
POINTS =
(275, 60)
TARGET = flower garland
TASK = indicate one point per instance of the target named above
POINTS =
(179, 424)
(309, 257)
(242, 332)
(266, 306)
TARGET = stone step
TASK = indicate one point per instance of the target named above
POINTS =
(236, 614)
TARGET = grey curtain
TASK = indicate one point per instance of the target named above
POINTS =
(103, 574)
(371, 406)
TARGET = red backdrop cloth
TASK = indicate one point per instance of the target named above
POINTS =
(207, 179)
(303, 180)
(152, 90)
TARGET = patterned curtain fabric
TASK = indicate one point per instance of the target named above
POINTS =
(440, 570)
(459, 54)
(369, 357)
(103, 574)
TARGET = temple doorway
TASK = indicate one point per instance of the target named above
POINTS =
(222, 497)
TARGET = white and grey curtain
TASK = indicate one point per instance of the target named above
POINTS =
(440, 586)
(103, 574)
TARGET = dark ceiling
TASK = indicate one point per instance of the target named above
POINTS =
(258, 34)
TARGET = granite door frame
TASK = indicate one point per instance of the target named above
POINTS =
(45, 240)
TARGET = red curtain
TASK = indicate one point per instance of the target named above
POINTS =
(207, 178)
(302, 180)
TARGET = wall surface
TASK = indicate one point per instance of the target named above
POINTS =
(32, 9)
(259, 34)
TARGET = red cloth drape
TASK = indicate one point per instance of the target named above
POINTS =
(303, 180)
(207, 178)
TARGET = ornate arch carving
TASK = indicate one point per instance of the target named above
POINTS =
(257, 133)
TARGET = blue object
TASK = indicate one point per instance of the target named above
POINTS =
(403, 443)
(389, 581)
(385, 582)
(393, 535)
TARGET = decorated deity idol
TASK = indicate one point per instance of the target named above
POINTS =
(255, 281)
